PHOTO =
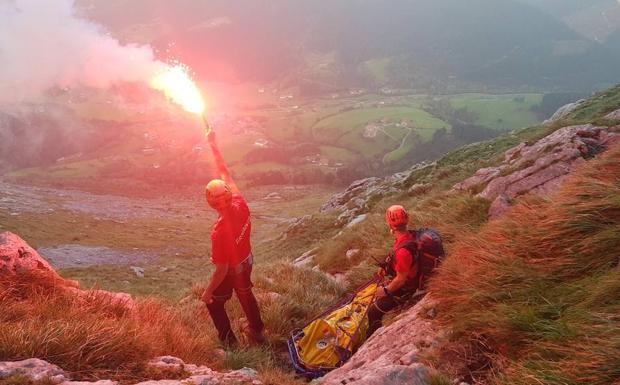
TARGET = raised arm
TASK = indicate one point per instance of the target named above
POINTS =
(221, 164)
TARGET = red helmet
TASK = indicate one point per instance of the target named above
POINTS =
(218, 194)
(396, 215)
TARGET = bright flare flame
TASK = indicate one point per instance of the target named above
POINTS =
(176, 83)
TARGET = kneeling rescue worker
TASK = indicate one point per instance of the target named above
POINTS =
(231, 253)
(412, 258)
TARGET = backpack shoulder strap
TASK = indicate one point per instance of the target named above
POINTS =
(411, 245)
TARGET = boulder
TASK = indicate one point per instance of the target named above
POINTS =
(38, 370)
(357, 220)
(538, 168)
(203, 374)
(390, 356)
(17, 257)
(35, 369)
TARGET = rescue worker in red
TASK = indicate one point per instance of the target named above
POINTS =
(231, 253)
(400, 263)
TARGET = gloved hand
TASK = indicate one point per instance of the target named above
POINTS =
(381, 273)
(210, 134)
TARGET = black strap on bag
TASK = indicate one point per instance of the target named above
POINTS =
(426, 247)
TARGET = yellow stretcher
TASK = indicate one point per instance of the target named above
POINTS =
(332, 338)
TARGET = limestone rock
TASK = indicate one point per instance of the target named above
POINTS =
(201, 375)
(339, 278)
(352, 253)
(615, 115)
(37, 369)
(358, 198)
(33, 368)
(563, 111)
(305, 259)
(17, 257)
(138, 271)
(100, 382)
(357, 220)
(355, 188)
(538, 168)
(390, 356)
(167, 362)
(482, 176)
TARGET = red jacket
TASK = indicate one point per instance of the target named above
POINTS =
(230, 236)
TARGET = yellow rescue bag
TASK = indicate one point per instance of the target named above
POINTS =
(333, 337)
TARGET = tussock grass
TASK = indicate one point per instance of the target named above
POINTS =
(533, 297)
(91, 336)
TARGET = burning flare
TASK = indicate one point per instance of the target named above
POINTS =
(176, 83)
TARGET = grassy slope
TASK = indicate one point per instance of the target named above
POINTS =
(532, 321)
(535, 296)
(454, 214)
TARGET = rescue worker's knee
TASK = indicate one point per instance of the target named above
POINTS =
(219, 300)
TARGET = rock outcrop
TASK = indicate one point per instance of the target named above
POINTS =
(539, 168)
(34, 369)
(564, 111)
(17, 257)
(37, 370)
(357, 200)
(391, 355)
(615, 115)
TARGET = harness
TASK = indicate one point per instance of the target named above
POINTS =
(242, 266)
(427, 251)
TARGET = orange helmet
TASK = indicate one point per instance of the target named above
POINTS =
(396, 215)
(218, 193)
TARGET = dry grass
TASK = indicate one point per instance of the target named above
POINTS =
(533, 298)
(92, 337)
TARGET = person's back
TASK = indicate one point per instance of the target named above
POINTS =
(230, 235)
(231, 253)
(401, 264)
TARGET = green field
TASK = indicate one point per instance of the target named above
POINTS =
(336, 124)
(502, 112)
(346, 129)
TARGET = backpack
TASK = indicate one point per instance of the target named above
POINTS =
(426, 247)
